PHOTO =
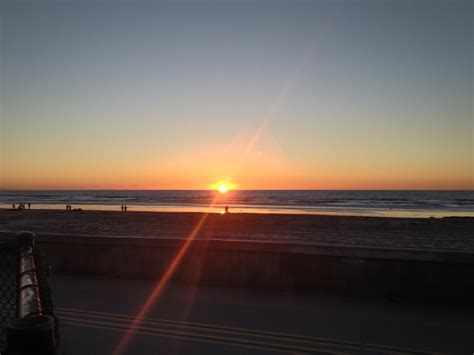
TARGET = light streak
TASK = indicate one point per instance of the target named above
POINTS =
(160, 286)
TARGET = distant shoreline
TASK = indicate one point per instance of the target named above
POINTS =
(406, 204)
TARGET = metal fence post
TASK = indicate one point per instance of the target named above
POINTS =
(32, 332)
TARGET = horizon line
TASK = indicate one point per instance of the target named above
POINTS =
(293, 189)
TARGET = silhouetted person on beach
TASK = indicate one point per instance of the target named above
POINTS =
(226, 210)
(121, 207)
(125, 208)
(13, 205)
(29, 205)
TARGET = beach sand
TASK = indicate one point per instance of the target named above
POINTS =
(455, 234)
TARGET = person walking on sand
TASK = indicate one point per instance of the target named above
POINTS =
(13, 205)
(29, 205)
(121, 208)
(125, 208)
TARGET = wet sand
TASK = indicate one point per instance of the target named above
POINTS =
(454, 234)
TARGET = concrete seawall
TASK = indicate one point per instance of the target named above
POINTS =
(399, 274)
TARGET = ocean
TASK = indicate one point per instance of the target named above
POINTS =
(362, 203)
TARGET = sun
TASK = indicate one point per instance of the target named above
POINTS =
(223, 188)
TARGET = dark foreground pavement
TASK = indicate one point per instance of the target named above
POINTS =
(94, 314)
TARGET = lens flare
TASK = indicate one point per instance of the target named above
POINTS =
(160, 286)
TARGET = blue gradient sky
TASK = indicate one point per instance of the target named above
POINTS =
(341, 94)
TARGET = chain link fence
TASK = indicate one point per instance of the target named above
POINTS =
(8, 287)
(26, 307)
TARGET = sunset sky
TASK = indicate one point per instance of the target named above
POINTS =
(263, 95)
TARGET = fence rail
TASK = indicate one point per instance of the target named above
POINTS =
(27, 321)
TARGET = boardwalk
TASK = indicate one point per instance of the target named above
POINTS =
(95, 313)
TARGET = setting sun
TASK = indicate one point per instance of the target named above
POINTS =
(223, 188)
